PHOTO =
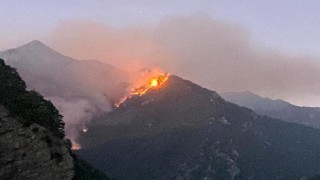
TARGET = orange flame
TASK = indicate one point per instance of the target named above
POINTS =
(152, 83)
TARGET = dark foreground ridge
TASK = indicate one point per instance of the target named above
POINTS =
(32, 144)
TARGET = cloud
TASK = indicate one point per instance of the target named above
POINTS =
(215, 54)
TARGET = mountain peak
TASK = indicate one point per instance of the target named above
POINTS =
(187, 129)
(35, 44)
(31, 52)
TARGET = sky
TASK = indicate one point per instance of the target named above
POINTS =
(287, 25)
(269, 47)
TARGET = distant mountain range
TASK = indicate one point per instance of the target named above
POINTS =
(184, 131)
(53, 74)
(309, 116)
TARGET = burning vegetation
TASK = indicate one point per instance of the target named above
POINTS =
(141, 88)
(153, 83)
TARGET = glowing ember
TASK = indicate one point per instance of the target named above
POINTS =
(122, 100)
(152, 83)
(75, 146)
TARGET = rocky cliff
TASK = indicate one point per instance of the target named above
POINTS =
(31, 152)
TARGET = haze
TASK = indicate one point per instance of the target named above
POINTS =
(270, 48)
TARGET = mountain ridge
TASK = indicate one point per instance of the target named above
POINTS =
(40, 61)
(87, 87)
(309, 116)
(184, 131)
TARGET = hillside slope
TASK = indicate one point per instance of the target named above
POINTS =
(32, 144)
(184, 131)
(32, 152)
(81, 90)
(53, 74)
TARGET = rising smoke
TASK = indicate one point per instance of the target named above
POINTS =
(215, 54)
(76, 114)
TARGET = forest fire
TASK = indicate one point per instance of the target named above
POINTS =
(150, 83)
(153, 83)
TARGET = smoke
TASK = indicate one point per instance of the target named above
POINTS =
(76, 114)
(81, 90)
(129, 49)
(215, 54)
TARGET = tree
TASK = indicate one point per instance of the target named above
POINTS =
(29, 106)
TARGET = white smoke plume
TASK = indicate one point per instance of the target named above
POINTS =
(77, 114)
(215, 54)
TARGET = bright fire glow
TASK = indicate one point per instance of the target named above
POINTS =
(150, 83)
(75, 146)
(153, 83)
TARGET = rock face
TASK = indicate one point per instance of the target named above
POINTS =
(31, 152)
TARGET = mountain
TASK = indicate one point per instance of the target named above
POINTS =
(184, 131)
(81, 90)
(309, 116)
(53, 74)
